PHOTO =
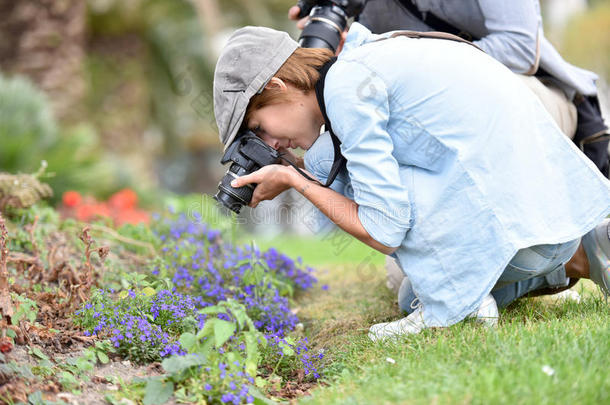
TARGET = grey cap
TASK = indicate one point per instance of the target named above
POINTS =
(248, 61)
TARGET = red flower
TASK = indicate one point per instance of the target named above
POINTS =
(71, 199)
(6, 345)
(131, 217)
(87, 212)
(124, 199)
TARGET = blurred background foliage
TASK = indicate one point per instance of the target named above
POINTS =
(586, 39)
(118, 93)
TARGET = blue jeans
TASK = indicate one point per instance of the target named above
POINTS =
(531, 269)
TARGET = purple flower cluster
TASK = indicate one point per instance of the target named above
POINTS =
(205, 271)
(301, 351)
(235, 382)
(204, 266)
(142, 328)
(307, 359)
(285, 266)
(170, 308)
(271, 311)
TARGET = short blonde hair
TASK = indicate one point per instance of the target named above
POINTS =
(300, 70)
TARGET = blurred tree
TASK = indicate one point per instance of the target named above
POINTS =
(29, 135)
(44, 40)
(586, 41)
(177, 45)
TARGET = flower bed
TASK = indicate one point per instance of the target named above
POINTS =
(218, 316)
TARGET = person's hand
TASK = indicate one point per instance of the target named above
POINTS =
(271, 180)
(341, 42)
(293, 14)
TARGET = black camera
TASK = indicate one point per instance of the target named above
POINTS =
(327, 20)
(248, 154)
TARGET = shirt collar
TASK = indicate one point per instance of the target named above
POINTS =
(359, 35)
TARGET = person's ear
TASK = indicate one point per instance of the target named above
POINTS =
(276, 84)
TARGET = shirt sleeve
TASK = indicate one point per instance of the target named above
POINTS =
(357, 104)
(514, 33)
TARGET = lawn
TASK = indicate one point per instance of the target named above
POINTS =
(543, 351)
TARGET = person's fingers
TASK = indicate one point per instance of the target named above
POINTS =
(341, 42)
(293, 12)
(256, 198)
(302, 22)
(243, 180)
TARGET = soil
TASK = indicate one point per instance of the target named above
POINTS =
(58, 276)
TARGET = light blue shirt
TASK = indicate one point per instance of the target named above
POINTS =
(453, 160)
(510, 31)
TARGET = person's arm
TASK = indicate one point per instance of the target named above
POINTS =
(273, 179)
(514, 33)
(338, 208)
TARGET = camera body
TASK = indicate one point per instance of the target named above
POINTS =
(327, 20)
(248, 154)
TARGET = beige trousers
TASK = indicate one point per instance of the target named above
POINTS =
(563, 112)
(556, 103)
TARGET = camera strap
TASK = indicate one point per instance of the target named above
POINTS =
(339, 161)
(434, 22)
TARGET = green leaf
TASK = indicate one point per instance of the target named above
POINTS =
(252, 353)
(148, 291)
(286, 349)
(176, 364)
(253, 275)
(103, 357)
(260, 382)
(211, 310)
(259, 398)
(36, 398)
(223, 330)
(207, 330)
(158, 392)
(38, 353)
(188, 340)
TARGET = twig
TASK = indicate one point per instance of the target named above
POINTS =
(102, 252)
(122, 238)
(31, 230)
(6, 303)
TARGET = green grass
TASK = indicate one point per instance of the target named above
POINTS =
(466, 363)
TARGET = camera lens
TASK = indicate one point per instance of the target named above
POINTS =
(233, 197)
(324, 30)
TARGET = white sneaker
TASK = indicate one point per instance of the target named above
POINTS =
(411, 324)
(567, 295)
(487, 314)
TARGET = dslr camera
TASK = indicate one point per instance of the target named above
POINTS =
(248, 153)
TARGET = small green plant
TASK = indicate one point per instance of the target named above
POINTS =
(221, 361)
(26, 309)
